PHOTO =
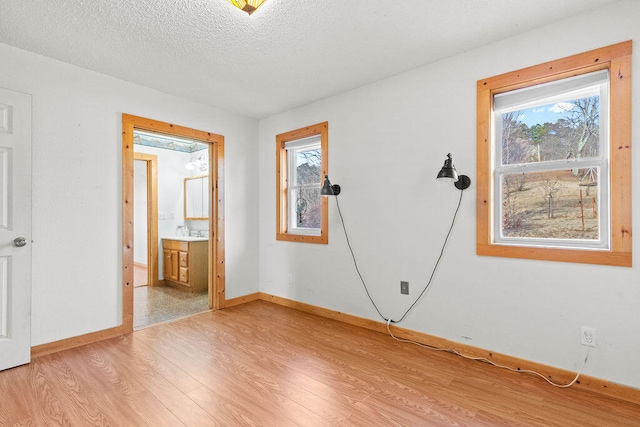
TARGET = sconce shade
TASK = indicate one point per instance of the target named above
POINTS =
(328, 189)
(448, 171)
(248, 6)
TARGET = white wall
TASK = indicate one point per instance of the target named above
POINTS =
(387, 141)
(77, 189)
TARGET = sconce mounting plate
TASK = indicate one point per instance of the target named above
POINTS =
(463, 182)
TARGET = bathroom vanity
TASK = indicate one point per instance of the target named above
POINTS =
(186, 263)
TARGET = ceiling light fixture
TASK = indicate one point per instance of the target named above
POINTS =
(248, 6)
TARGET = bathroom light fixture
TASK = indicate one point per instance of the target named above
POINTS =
(328, 189)
(248, 6)
(200, 162)
(448, 173)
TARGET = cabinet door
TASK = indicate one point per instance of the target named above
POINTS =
(166, 263)
(170, 264)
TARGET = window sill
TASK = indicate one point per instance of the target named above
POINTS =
(302, 238)
(581, 256)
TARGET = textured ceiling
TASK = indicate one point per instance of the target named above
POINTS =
(287, 54)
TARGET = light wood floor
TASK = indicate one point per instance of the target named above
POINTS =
(262, 364)
(140, 276)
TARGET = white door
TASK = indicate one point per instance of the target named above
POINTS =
(15, 228)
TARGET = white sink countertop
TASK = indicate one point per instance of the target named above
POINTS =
(186, 238)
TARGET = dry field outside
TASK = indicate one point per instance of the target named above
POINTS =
(528, 213)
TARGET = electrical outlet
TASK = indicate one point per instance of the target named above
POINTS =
(588, 336)
(404, 288)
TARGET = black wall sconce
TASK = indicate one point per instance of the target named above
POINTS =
(448, 173)
(328, 189)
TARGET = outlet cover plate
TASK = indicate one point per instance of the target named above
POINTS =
(588, 336)
(404, 288)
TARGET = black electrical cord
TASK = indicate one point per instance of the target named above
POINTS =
(355, 263)
(433, 272)
(435, 267)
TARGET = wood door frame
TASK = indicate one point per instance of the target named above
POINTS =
(216, 216)
(152, 215)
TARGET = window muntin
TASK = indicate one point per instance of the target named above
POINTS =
(551, 153)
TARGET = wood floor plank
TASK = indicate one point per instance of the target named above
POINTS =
(232, 393)
(82, 404)
(16, 401)
(231, 409)
(49, 410)
(280, 362)
(285, 395)
(262, 364)
(176, 376)
(370, 379)
(187, 411)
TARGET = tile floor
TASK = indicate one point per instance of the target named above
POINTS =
(161, 303)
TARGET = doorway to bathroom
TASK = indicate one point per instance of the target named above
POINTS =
(165, 169)
(173, 247)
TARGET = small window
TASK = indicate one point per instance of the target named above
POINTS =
(554, 161)
(301, 165)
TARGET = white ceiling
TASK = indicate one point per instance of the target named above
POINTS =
(287, 54)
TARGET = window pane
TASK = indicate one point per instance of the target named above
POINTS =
(306, 207)
(552, 131)
(308, 166)
(561, 204)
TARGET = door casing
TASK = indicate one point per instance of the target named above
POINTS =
(152, 215)
(216, 215)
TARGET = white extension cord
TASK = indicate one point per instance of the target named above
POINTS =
(483, 359)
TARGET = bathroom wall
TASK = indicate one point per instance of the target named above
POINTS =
(140, 254)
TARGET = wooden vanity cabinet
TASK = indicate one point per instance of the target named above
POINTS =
(185, 264)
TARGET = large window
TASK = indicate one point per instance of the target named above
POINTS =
(554, 158)
(301, 165)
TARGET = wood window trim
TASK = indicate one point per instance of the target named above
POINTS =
(282, 233)
(617, 59)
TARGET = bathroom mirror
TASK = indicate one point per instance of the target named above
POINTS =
(196, 197)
